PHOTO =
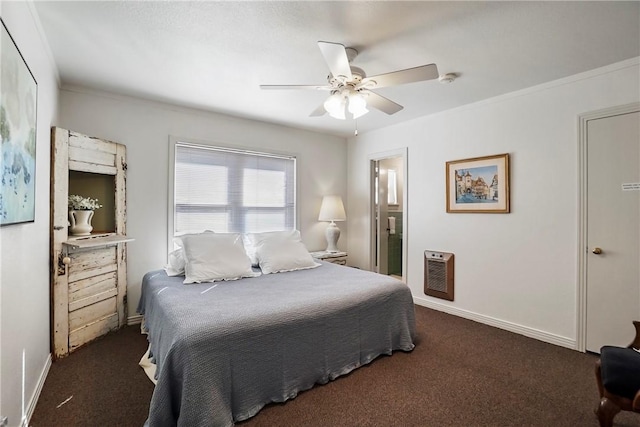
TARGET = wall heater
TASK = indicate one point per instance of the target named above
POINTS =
(438, 274)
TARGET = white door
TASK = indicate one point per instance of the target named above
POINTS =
(613, 230)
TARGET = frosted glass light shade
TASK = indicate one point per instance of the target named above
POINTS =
(334, 105)
(332, 209)
(357, 105)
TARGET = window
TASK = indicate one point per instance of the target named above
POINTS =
(392, 193)
(228, 190)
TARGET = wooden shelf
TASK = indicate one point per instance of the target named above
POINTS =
(96, 240)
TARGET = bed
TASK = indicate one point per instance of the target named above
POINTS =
(223, 350)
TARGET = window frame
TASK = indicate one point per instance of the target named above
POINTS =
(175, 142)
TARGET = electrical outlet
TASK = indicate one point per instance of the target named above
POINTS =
(4, 421)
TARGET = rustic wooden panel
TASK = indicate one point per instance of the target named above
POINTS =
(121, 228)
(92, 331)
(122, 284)
(59, 225)
(91, 156)
(60, 312)
(91, 313)
(83, 274)
(92, 262)
(91, 143)
(92, 258)
(91, 286)
(92, 299)
(92, 167)
(120, 189)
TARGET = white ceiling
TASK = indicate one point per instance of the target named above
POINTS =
(214, 55)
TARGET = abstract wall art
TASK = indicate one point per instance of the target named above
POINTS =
(18, 106)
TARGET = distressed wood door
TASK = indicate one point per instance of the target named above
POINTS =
(88, 273)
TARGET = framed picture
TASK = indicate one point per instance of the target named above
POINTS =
(18, 106)
(477, 185)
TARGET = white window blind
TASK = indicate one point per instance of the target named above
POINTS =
(227, 190)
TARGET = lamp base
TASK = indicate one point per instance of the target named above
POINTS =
(332, 234)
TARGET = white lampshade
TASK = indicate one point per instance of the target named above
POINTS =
(332, 209)
(334, 105)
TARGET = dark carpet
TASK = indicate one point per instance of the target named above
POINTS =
(461, 373)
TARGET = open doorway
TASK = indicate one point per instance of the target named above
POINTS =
(388, 213)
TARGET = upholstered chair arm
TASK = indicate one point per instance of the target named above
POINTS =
(636, 340)
(636, 402)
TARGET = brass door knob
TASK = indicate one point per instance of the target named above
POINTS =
(597, 251)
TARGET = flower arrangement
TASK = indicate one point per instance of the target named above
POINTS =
(79, 203)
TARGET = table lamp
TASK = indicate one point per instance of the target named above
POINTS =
(332, 210)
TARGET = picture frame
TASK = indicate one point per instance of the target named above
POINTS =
(18, 129)
(478, 185)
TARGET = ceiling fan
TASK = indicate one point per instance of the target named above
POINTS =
(351, 89)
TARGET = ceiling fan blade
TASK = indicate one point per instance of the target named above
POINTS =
(410, 75)
(320, 111)
(313, 87)
(383, 104)
(336, 57)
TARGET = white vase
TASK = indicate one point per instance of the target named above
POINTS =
(80, 222)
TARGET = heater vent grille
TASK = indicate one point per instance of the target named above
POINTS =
(438, 274)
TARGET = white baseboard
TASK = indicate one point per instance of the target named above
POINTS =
(134, 320)
(36, 393)
(508, 326)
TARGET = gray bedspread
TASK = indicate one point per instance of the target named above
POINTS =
(223, 350)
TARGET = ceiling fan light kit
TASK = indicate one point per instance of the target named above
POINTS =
(351, 90)
(350, 98)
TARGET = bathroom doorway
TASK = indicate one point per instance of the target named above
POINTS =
(388, 213)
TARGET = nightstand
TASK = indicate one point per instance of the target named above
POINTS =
(332, 257)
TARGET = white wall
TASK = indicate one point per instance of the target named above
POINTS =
(144, 127)
(517, 271)
(24, 248)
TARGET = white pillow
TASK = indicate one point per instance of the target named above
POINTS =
(280, 255)
(252, 240)
(215, 256)
(176, 264)
(177, 240)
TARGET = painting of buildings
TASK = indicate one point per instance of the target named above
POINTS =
(477, 185)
